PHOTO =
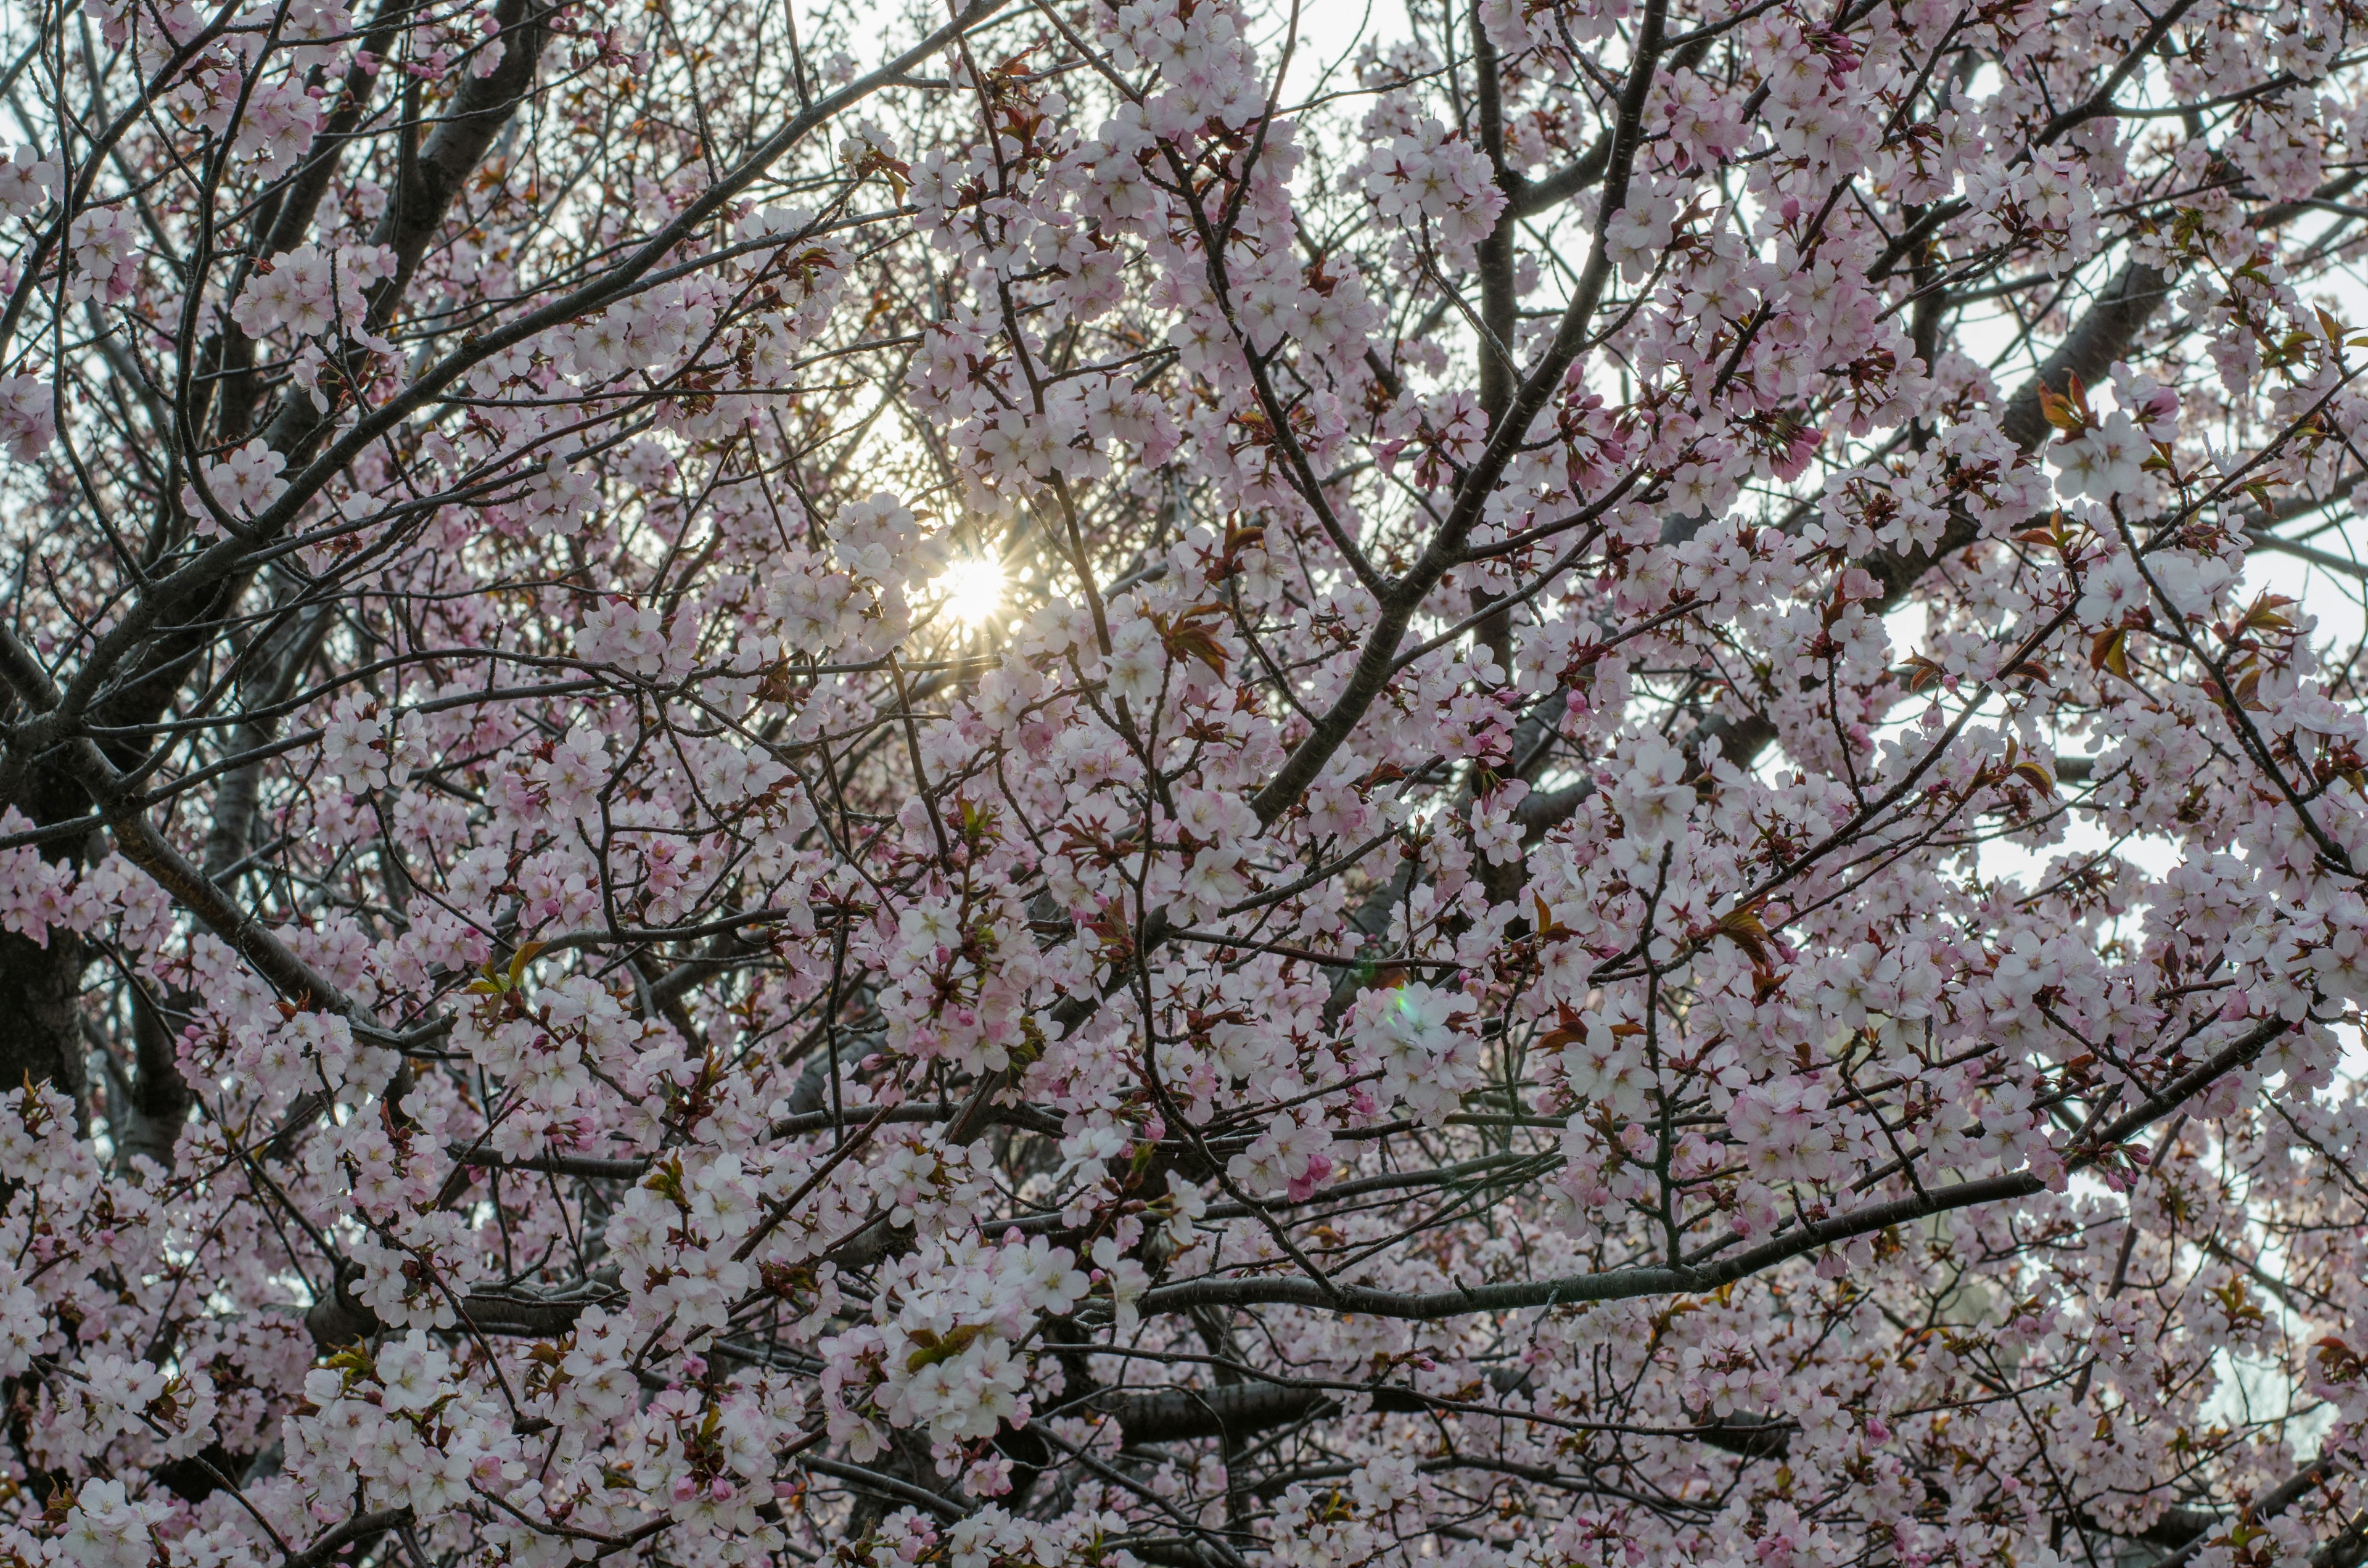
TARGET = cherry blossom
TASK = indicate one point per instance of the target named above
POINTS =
(1110, 786)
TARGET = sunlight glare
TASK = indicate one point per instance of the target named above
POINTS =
(972, 591)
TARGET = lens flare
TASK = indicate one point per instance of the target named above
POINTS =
(972, 591)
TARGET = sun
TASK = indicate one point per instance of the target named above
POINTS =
(971, 590)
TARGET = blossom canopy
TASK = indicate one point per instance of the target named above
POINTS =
(1069, 785)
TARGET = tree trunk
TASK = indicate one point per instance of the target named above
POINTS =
(41, 1007)
(160, 1099)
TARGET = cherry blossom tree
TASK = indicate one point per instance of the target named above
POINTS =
(1576, 783)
